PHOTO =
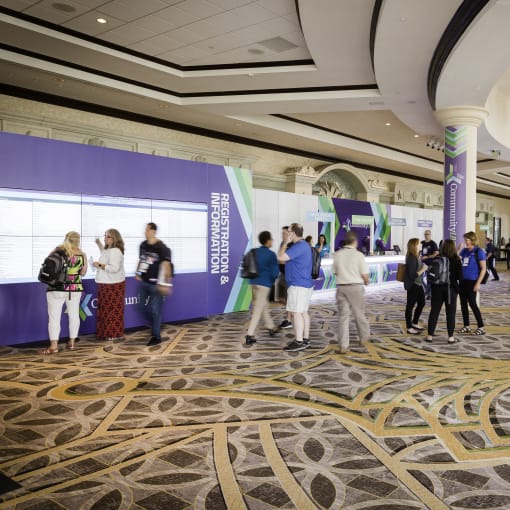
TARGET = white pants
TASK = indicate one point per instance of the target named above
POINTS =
(56, 299)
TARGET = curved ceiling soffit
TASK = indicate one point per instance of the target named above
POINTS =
(336, 38)
(485, 81)
(458, 25)
(373, 29)
(403, 39)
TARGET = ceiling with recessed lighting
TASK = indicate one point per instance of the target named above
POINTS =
(349, 81)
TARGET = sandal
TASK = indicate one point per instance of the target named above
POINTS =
(70, 345)
(479, 331)
(48, 351)
(465, 329)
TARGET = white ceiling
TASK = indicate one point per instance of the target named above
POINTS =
(255, 69)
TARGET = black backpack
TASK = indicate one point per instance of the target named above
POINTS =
(438, 272)
(249, 267)
(53, 270)
(316, 264)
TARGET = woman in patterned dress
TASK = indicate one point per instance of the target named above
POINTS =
(111, 283)
(68, 293)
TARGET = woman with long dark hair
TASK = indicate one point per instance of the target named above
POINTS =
(414, 287)
(446, 293)
(111, 286)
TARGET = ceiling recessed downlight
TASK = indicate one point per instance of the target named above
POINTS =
(387, 124)
(101, 20)
(416, 136)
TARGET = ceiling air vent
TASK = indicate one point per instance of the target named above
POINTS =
(278, 44)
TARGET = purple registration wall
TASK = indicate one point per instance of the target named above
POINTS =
(38, 164)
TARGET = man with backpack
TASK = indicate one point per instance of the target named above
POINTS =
(429, 250)
(298, 260)
(352, 274)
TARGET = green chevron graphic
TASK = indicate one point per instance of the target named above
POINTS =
(455, 139)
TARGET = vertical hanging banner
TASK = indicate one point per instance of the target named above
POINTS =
(455, 153)
(230, 226)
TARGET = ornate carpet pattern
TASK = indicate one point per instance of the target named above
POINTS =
(201, 421)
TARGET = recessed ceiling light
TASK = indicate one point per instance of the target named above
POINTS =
(101, 20)
(387, 124)
(416, 136)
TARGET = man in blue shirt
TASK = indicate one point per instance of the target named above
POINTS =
(267, 268)
(298, 273)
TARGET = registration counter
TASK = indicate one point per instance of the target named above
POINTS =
(382, 270)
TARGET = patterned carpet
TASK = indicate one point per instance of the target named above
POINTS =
(201, 421)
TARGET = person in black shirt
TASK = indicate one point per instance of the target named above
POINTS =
(154, 274)
(429, 250)
(490, 249)
(446, 293)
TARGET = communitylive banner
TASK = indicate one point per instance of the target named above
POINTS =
(221, 194)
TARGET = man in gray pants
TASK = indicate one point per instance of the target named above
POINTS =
(352, 274)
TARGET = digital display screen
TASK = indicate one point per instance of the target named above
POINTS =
(33, 223)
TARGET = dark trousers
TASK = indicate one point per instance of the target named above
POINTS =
(415, 297)
(150, 305)
(492, 268)
(440, 296)
(468, 295)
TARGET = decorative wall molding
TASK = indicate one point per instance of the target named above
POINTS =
(71, 131)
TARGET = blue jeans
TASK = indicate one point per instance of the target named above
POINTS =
(152, 309)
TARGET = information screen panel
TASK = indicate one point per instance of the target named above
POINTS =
(33, 223)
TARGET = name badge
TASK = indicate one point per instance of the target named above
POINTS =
(425, 250)
(465, 261)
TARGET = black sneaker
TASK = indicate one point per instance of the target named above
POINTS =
(307, 343)
(285, 324)
(249, 340)
(272, 332)
(295, 346)
(154, 341)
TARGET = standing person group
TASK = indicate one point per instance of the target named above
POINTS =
(154, 273)
(68, 292)
(111, 286)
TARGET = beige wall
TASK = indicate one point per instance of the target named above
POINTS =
(271, 169)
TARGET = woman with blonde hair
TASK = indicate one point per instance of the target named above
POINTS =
(68, 292)
(414, 287)
(111, 286)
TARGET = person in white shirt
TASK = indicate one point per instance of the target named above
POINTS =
(111, 286)
(352, 274)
